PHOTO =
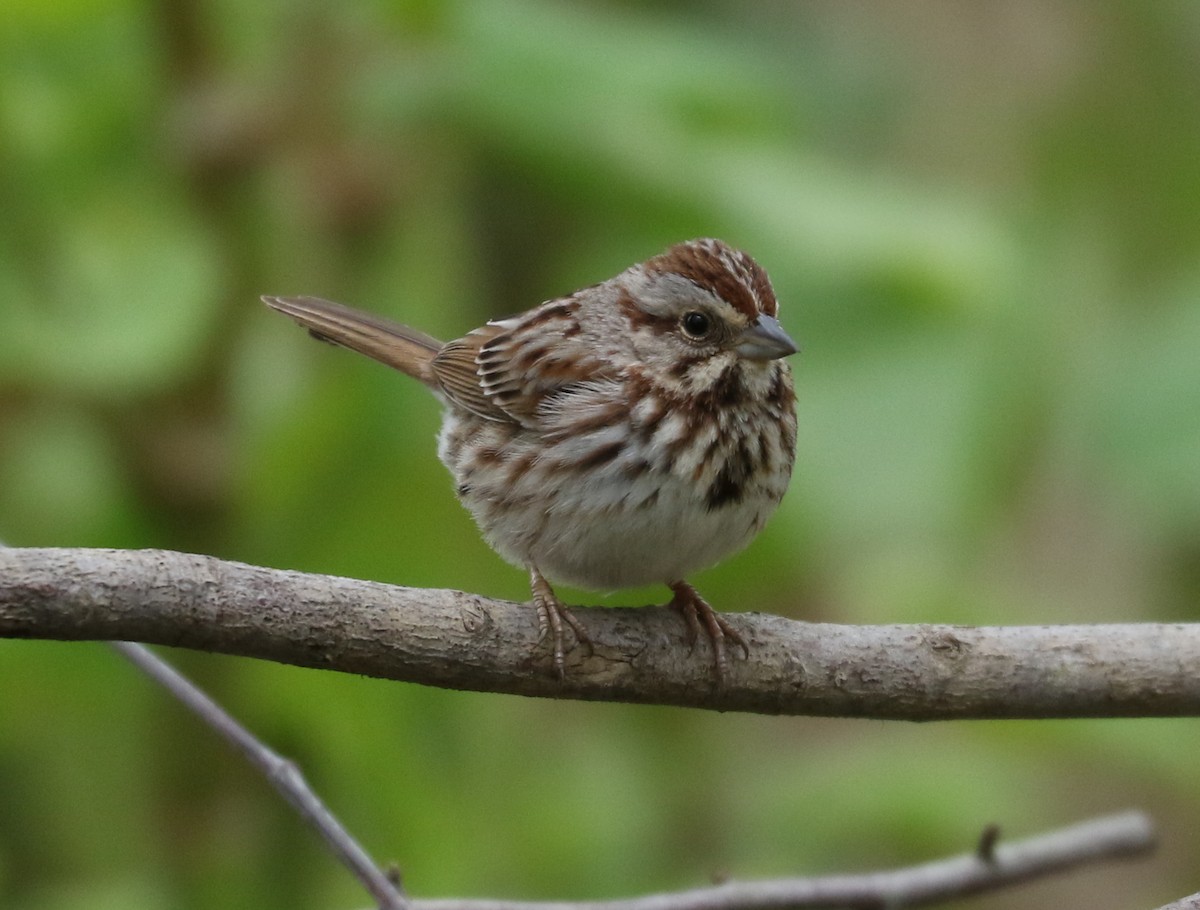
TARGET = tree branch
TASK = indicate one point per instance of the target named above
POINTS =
(282, 774)
(1113, 837)
(464, 641)
(990, 866)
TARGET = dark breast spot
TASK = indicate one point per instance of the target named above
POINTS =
(725, 488)
(728, 391)
(729, 486)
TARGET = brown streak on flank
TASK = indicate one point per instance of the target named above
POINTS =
(762, 445)
(601, 419)
(601, 455)
(615, 413)
(488, 456)
(519, 467)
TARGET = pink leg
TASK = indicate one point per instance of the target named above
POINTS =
(698, 614)
(552, 613)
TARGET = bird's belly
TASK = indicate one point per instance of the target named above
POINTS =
(615, 525)
(661, 541)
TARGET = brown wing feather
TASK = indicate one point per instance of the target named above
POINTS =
(456, 369)
(507, 370)
(396, 345)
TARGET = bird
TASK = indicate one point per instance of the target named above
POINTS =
(633, 432)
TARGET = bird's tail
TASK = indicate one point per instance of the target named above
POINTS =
(396, 345)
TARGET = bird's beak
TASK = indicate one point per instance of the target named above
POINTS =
(765, 340)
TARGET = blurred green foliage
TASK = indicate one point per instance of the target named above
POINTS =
(982, 222)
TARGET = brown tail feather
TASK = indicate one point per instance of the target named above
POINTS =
(396, 345)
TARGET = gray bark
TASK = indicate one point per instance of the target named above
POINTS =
(465, 641)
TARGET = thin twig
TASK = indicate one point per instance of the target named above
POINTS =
(464, 641)
(1102, 839)
(1114, 837)
(284, 776)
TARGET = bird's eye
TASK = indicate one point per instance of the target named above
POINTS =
(696, 324)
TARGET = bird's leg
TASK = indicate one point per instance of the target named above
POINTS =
(698, 614)
(552, 613)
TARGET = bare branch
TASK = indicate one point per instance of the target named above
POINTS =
(282, 774)
(1191, 902)
(1113, 837)
(456, 640)
(992, 865)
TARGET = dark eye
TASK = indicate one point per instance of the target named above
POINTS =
(696, 324)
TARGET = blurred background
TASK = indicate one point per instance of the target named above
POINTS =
(983, 223)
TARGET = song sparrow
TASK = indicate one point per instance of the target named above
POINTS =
(633, 432)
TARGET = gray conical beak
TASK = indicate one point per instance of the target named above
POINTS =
(765, 340)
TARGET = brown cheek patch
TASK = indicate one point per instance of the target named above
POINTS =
(639, 318)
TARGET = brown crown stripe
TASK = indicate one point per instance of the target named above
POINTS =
(728, 273)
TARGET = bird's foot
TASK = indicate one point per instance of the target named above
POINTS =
(699, 615)
(552, 615)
